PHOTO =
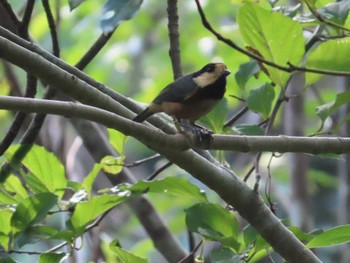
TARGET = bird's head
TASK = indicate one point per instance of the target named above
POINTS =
(210, 73)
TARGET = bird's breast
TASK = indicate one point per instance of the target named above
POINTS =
(191, 110)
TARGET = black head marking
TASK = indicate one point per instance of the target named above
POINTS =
(209, 68)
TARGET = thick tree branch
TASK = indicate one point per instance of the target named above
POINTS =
(126, 102)
(224, 182)
(178, 142)
(162, 242)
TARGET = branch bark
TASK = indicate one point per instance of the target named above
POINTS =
(179, 142)
(231, 189)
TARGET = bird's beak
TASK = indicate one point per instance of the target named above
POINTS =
(226, 72)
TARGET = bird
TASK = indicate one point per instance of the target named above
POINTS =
(190, 97)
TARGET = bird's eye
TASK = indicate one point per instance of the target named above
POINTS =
(210, 68)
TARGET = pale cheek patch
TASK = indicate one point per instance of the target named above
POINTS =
(205, 79)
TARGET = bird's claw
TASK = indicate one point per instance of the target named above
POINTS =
(203, 134)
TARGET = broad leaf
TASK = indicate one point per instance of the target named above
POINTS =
(327, 109)
(125, 256)
(330, 55)
(172, 186)
(75, 3)
(335, 11)
(335, 236)
(116, 11)
(216, 118)
(277, 38)
(305, 237)
(5, 230)
(13, 189)
(86, 212)
(52, 257)
(248, 129)
(47, 172)
(32, 210)
(111, 164)
(117, 140)
(90, 179)
(214, 223)
(245, 72)
(261, 99)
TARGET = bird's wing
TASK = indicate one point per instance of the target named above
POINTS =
(178, 91)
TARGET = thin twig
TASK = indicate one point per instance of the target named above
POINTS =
(24, 25)
(190, 257)
(246, 177)
(139, 162)
(52, 26)
(314, 38)
(236, 117)
(290, 68)
(19, 118)
(10, 12)
(94, 50)
(161, 169)
(174, 37)
(322, 19)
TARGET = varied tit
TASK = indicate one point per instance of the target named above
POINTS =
(191, 96)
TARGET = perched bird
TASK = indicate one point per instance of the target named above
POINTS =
(191, 96)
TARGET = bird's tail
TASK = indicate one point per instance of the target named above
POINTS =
(143, 115)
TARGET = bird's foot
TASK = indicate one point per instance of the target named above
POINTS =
(203, 135)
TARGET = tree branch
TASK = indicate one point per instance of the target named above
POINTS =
(290, 68)
(221, 180)
(52, 26)
(174, 37)
(178, 142)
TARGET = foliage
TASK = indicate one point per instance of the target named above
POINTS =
(41, 204)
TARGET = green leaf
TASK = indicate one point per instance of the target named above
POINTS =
(6, 259)
(47, 172)
(322, 178)
(74, 3)
(173, 186)
(277, 38)
(116, 11)
(68, 236)
(52, 257)
(5, 223)
(90, 178)
(111, 164)
(335, 11)
(245, 72)
(125, 256)
(335, 236)
(224, 254)
(86, 212)
(330, 55)
(214, 223)
(14, 190)
(216, 118)
(324, 111)
(6, 198)
(32, 210)
(305, 237)
(247, 129)
(117, 140)
(250, 235)
(261, 99)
